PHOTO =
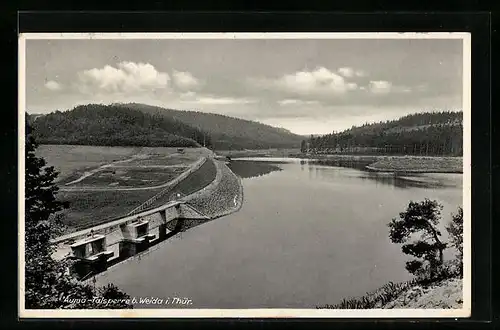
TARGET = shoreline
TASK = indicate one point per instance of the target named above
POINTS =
(400, 164)
(418, 165)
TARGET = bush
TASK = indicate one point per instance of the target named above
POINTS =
(456, 230)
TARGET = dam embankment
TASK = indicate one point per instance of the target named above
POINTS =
(110, 243)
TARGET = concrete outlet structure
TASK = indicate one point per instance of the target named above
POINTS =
(90, 254)
(95, 249)
(136, 238)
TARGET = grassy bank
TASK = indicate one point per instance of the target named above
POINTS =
(442, 291)
(445, 293)
(91, 208)
(418, 165)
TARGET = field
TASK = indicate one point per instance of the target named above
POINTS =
(126, 177)
(68, 159)
(163, 160)
(104, 183)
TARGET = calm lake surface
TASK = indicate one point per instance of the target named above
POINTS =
(306, 235)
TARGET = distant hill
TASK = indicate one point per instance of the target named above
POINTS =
(102, 125)
(139, 124)
(229, 133)
(430, 133)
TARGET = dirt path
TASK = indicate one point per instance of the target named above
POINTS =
(94, 171)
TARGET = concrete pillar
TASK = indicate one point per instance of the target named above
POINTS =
(163, 215)
(162, 231)
(178, 210)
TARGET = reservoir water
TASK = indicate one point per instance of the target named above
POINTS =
(306, 235)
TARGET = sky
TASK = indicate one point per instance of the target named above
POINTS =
(308, 86)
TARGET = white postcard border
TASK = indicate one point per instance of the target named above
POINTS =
(254, 313)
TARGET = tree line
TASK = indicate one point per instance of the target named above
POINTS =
(431, 133)
(116, 125)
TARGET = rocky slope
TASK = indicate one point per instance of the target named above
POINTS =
(442, 295)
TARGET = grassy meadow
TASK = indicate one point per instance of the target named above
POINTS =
(128, 177)
(68, 159)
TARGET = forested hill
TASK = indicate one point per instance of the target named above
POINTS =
(430, 133)
(101, 125)
(229, 133)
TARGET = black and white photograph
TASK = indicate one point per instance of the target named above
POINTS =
(244, 175)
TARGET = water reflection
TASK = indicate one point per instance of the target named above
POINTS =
(251, 169)
(181, 225)
(329, 169)
(356, 164)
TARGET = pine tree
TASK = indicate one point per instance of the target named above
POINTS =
(420, 218)
(47, 283)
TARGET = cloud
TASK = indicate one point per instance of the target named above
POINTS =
(192, 98)
(185, 80)
(386, 87)
(53, 85)
(346, 72)
(321, 81)
(125, 77)
(287, 102)
(380, 86)
(350, 72)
